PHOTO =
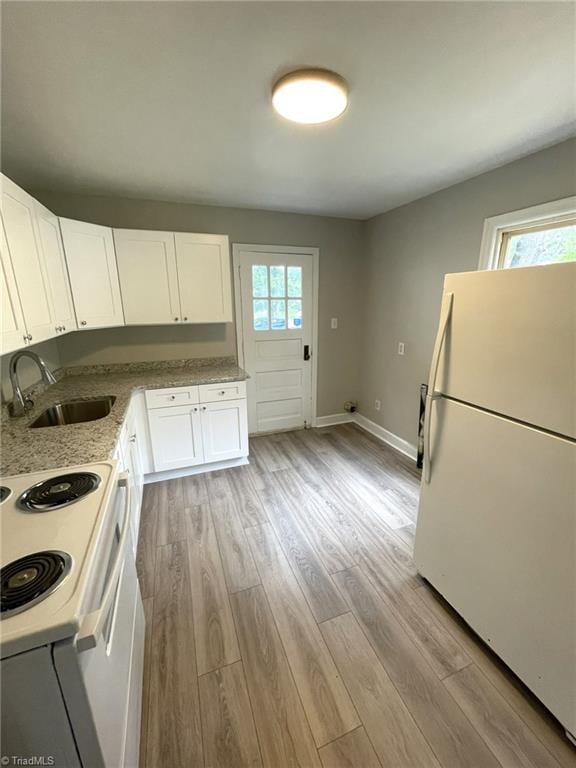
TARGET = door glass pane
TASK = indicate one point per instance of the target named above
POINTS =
(295, 281)
(277, 281)
(295, 313)
(259, 280)
(261, 321)
(278, 307)
(547, 246)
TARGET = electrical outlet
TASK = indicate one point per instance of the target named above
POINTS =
(377, 404)
(334, 323)
(400, 347)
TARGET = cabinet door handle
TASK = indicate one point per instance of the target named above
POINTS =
(29, 337)
(175, 319)
(83, 322)
(195, 410)
(204, 408)
(184, 318)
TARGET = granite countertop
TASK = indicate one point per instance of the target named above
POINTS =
(32, 450)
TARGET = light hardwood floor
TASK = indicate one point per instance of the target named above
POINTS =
(287, 626)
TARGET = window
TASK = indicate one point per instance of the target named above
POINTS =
(276, 297)
(545, 234)
(540, 245)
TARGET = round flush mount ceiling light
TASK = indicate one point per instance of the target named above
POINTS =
(310, 96)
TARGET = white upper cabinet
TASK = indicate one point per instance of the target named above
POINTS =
(203, 263)
(18, 213)
(50, 241)
(13, 334)
(93, 274)
(148, 277)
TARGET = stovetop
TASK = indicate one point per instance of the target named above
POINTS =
(31, 579)
(58, 491)
(56, 586)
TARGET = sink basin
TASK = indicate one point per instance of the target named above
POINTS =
(74, 412)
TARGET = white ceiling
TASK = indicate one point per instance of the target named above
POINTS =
(170, 101)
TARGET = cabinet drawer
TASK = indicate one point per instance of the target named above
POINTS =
(160, 398)
(213, 393)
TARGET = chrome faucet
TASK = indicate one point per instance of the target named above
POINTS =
(21, 404)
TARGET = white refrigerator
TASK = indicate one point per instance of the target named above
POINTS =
(496, 532)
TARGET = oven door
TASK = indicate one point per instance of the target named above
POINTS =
(108, 653)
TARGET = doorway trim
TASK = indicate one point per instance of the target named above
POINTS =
(314, 254)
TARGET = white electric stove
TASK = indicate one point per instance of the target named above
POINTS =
(71, 620)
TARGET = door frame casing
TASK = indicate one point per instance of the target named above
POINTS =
(314, 254)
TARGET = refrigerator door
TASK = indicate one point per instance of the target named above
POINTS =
(510, 344)
(496, 536)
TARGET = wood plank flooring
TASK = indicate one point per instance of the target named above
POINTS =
(287, 626)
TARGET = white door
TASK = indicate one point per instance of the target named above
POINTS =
(148, 277)
(93, 274)
(224, 430)
(510, 345)
(277, 316)
(176, 437)
(50, 240)
(13, 332)
(18, 213)
(203, 263)
(496, 537)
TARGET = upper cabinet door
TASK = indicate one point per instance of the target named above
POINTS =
(13, 333)
(93, 273)
(59, 283)
(18, 213)
(148, 278)
(203, 263)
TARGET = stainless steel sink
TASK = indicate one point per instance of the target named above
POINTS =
(74, 412)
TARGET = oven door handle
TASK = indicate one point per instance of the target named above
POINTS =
(92, 624)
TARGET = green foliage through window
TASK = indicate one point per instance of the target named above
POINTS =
(544, 246)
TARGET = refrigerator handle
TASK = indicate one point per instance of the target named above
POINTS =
(445, 314)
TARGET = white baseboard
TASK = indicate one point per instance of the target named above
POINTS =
(173, 474)
(386, 436)
(333, 419)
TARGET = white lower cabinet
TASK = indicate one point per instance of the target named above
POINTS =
(198, 433)
(176, 436)
(128, 455)
(224, 430)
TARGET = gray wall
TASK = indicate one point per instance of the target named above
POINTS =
(410, 249)
(341, 254)
(381, 278)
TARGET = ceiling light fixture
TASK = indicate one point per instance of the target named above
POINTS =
(310, 96)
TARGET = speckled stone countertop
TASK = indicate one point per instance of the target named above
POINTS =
(32, 450)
